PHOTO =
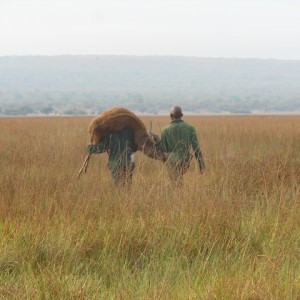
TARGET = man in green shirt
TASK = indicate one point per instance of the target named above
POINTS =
(177, 138)
(120, 147)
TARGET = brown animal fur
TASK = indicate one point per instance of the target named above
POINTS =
(117, 119)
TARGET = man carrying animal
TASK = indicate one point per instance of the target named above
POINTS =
(176, 139)
(120, 132)
(120, 147)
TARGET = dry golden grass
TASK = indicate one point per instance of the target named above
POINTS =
(231, 234)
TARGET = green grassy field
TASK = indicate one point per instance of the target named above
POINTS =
(233, 233)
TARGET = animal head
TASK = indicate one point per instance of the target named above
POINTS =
(151, 149)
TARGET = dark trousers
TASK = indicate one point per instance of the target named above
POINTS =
(122, 175)
(176, 171)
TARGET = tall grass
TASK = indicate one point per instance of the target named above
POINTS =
(233, 233)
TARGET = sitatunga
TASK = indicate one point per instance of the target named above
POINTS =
(117, 119)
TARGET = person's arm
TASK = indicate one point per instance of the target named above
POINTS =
(197, 150)
(99, 148)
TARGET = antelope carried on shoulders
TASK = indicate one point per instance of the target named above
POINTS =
(117, 119)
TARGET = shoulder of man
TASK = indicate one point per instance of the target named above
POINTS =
(166, 127)
(125, 133)
(186, 125)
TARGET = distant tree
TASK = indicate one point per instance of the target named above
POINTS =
(19, 111)
(74, 112)
(47, 110)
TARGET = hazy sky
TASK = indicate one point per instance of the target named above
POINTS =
(204, 28)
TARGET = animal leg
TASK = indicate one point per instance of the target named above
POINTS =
(84, 166)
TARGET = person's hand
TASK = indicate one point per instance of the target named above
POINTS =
(155, 137)
(91, 148)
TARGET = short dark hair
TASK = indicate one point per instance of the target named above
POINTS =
(176, 112)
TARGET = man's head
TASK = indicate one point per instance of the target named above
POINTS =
(176, 113)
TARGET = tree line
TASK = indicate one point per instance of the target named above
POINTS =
(78, 85)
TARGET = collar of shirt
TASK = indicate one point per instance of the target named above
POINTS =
(177, 121)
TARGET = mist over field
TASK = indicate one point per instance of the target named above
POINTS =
(79, 85)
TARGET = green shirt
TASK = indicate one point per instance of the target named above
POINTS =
(177, 138)
(119, 146)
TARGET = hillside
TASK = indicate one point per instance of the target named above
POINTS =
(77, 85)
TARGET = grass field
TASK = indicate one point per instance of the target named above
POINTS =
(233, 233)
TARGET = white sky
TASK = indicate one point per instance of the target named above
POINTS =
(204, 28)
